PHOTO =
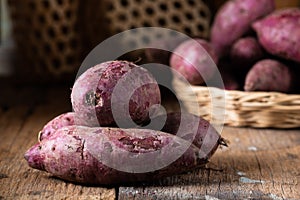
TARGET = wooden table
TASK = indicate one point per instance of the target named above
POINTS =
(259, 163)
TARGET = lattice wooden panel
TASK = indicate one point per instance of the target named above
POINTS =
(46, 35)
(52, 35)
(191, 17)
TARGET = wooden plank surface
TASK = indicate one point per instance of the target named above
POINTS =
(259, 163)
(20, 121)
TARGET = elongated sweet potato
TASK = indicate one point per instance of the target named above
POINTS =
(184, 124)
(193, 59)
(113, 156)
(62, 120)
(279, 33)
(93, 91)
(65, 119)
(269, 75)
(234, 19)
(204, 131)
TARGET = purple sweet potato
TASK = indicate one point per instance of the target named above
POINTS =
(93, 91)
(245, 52)
(193, 59)
(269, 75)
(108, 156)
(234, 19)
(65, 119)
(174, 120)
(183, 124)
(62, 120)
(279, 33)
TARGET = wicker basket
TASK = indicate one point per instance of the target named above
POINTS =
(252, 109)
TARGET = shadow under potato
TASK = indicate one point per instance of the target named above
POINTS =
(194, 177)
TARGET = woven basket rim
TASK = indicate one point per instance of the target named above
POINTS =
(253, 109)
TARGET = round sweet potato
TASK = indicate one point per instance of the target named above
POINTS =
(269, 75)
(114, 90)
(245, 52)
(193, 59)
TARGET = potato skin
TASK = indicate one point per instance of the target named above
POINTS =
(193, 62)
(92, 92)
(234, 19)
(269, 75)
(62, 120)
(279, 33)
(67, 154)
(171, 126)
(205, 138)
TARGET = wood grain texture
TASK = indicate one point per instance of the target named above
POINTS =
(20, 122)
(287, 3)
(258, 164)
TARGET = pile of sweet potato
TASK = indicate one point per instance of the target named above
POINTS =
(254, 46)
(110, 137)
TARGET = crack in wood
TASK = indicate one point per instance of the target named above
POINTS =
(271, 175)
(261, 181)
(2, 176)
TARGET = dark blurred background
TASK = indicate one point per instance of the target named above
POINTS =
(45, 41)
